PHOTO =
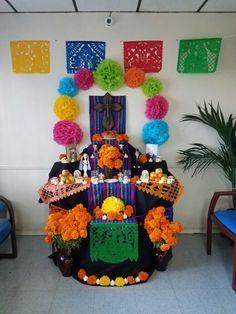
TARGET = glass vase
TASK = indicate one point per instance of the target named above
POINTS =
(161, 259)
(65, 263)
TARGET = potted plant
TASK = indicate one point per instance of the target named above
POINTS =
(162, 234)
(200, 157)
(66, 229)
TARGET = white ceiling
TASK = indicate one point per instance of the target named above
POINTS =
(25, 6)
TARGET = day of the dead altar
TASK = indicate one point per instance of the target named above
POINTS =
(110, 219)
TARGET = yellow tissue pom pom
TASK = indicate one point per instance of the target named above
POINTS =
(113, 204)
(66, 108)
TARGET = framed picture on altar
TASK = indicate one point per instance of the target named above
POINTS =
(152, 151)
(71, 152)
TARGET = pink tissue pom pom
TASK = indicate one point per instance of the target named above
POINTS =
(156, 107)
(67, 132)
(84, 78)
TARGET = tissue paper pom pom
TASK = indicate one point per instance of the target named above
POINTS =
(108, 75)
(155, 132)
(67, 132)
(134, 77)
(66, 108)
(84, 78)
(67, 87)
(152, 87)
(156, 107)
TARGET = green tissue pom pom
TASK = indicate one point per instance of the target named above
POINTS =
(108, 75)
(152, 87)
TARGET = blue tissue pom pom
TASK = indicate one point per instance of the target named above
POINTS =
(155, 132)
(67, 87)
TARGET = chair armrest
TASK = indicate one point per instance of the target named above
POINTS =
(215, 198)
(9, 209)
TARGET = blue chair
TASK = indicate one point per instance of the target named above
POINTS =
(225, 220)
(7, 227)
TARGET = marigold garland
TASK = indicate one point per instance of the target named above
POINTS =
(134, 77)
(66, 108)
(161, 231)
(107, 281)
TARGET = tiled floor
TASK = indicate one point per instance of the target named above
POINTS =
(193, 283)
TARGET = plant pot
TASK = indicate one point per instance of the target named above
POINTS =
(161, 259)
(65, 263)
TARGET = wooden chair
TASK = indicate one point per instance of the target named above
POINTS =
(7, 227)
(225, 220)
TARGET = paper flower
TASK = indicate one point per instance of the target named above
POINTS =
(112, 204)
(119, 282)
(134, 77)
(152, 87)
(67, 87)
(66, 108)
(108, 75)
(155, 132)
(105, 281)
(83, 78)
(67, 132)
(156, 107)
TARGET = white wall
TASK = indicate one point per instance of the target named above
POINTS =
(26, 101)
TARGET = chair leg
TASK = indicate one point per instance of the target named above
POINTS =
(209, 235)
(234, 268)
(14, 244)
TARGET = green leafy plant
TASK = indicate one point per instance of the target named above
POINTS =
(200, 157)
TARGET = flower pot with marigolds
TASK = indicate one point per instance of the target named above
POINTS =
(66, 229)
(162, 234)
(109, 159)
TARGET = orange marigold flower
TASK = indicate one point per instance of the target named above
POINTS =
(118, 163)
(131, 280)
(83, 233)
(142, 158)
(48, 240)
(143, 276)
(96, 137)
(164, 247)
(81, 273)
(111, 215)
(134, 179)
(129, 210)
(119, 137)
(119, 216)
(92, 280)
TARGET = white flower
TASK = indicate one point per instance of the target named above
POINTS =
(137, 279)
(98, 281)
(85, 278)
(126, 281)
(112, 283)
